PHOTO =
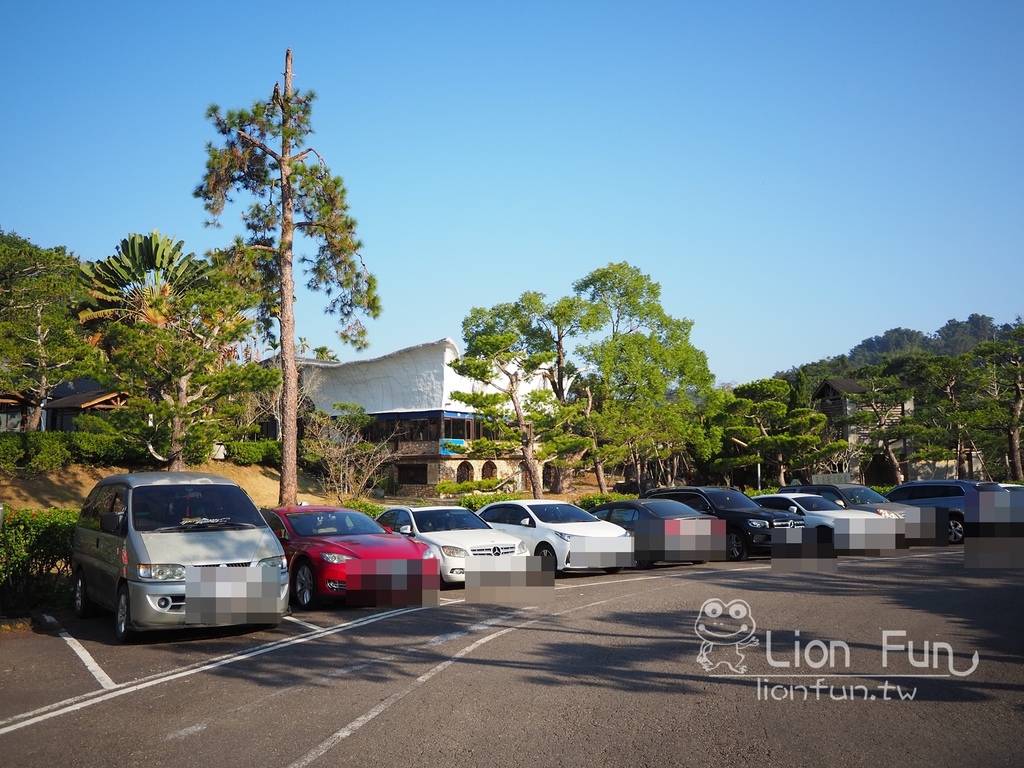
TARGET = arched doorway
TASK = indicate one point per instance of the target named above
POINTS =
(490, 471)
(464, 473)
(524, 478)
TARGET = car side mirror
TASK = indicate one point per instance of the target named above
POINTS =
(795, 511)
(405, 530)
(526, 522)
(110, 522)
(282, 534)
(841, 503)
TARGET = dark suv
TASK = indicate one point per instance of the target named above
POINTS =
(950, 495)
(749, 526)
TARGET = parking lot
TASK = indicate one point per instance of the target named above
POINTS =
(609, 671)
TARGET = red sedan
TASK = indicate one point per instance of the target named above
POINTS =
(334, 552)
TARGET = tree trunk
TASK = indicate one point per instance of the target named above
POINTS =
(890, 455)
(289, 371)
(602, 484)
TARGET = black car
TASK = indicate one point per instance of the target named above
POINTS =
(749, 525)
(949, 495)
(628, 513)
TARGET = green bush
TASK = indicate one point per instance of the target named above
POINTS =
(46, 451)
(473, 502)
(591, 500)
(96, 450)
(366, 506)
(35, 558)
(12, 450)
(245, 453)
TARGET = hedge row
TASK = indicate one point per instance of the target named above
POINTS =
(44, 451)
(35, 558)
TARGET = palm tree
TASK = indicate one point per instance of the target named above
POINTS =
(142, 282)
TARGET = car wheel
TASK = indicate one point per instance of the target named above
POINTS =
(304, 586)
(611, 570)
(123, 616)
(698, 562)
(735, 545)
(80, 598)
(644, 565)
(956, 529)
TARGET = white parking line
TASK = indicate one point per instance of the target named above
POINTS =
(335, 738)
(300, 622)
(90, 663)
(87, 700)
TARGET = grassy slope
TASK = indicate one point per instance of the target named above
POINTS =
(68, 487)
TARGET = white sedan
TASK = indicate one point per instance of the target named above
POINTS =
(453, 533)
(563, 531)
(816, 510)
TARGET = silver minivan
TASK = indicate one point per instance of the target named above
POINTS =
(176, 549)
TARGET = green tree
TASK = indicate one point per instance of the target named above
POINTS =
(167, 325)
(1003, 374)
(881, 413)
(649, 383)
(785, 437)
(499, 353)
(293, 193)
(41, 343)
(346, 462)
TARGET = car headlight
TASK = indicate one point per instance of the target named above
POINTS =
(428, 553)
(454, 552)
(889, 513)
(521, 549)
(335, 557)
(754, 523)
(162, 571)
(563, 536)
(277, 561)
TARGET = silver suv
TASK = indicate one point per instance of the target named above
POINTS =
(176, 549)
(950, 495)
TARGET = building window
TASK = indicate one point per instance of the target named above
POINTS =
(412, 474)
(458, 429)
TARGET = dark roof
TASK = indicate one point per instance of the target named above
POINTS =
(833, 387)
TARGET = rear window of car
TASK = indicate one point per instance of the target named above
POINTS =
(668, 508)
(561, 513)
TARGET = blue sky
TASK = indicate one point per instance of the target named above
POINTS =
(797, 176)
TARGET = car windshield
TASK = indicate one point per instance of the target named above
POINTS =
(333, 522)
(561, 513)
(453, 519)
(864, 495)
(163, 508)
(669, 508)
(817, 504)
(734, 500)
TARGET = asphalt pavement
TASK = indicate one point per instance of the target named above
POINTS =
(904, 661)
